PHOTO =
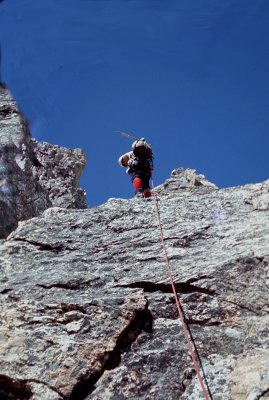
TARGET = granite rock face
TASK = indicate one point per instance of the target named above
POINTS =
(58, 171)
(185, 179)
(87, 308)
(33, 176)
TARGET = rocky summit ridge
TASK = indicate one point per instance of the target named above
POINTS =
(87, 310)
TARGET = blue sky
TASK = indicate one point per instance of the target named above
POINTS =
(190, 76)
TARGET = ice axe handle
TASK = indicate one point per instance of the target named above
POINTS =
(127, 135)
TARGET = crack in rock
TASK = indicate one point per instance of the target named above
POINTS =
(188, 376)
(142, 322)
(69, 285)
(181, 287)
(75, 307)
(260, 396)
(7, 110)
(124, 229)
(186, 240)
(241, 306)
(205, 322)
(199, 278)
(57, 248)
(14, 389)
(6, 290)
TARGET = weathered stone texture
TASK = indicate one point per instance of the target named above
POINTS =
(185, 179)
(13, 127)
(33, 176)
(87, 309)
(58, 171)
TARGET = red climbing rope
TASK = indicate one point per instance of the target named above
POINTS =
(179, 306)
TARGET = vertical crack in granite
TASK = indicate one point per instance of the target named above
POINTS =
(142, 322)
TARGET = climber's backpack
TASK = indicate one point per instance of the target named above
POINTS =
(142, 149)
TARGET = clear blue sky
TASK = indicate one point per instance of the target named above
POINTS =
(190, 76)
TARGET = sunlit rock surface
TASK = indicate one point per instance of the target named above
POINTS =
(58, 170)
(87, 310)
(33, 176)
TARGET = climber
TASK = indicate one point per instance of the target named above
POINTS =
(140, 166)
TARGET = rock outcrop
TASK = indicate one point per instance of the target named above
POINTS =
(87, 309)
(58, 171)
(33, 176)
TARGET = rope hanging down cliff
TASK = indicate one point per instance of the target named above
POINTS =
(188, 338)
(123, 161)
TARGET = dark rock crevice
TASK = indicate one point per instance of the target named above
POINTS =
(262, 394)
(142, 322)
(55, 248)
(188, 376)
(14, 389)
(203, 322)
(6, 290)
(75, 307)
(261, 258)
(198, 278)
(181, 287)
(6, 110)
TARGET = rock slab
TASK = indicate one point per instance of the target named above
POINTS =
(87, 309)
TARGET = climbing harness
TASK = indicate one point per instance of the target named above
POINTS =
(187, 335)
